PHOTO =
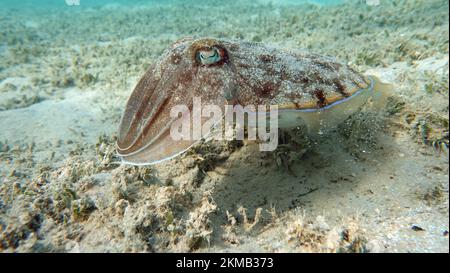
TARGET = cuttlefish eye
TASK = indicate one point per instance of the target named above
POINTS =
(208, 56)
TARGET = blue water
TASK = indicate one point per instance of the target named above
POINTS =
(27, 5)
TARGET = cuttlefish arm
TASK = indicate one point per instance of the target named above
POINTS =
(176, 78)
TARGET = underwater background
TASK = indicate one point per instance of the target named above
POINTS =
(378, 183)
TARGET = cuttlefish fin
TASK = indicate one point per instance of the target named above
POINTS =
(381, 92)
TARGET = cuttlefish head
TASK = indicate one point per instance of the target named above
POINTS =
(190, 68)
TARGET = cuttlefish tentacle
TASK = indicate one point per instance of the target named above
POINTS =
(306, 87)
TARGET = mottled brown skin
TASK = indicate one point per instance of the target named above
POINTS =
(246, 73)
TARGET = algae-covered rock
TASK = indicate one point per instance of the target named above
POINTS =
(82, 208)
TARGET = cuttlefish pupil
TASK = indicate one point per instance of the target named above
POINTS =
(208, 57)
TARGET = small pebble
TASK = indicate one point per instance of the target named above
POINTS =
(417, 228)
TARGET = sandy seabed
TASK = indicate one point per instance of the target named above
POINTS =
(378, 183)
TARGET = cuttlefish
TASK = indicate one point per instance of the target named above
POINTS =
(307, 88)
